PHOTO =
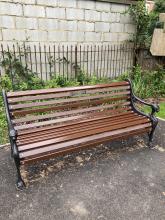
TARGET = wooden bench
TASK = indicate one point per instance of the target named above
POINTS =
(50, 122)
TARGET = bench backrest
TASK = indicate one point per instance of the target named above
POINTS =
(42, 105)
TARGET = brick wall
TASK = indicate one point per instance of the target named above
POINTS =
(75, 21)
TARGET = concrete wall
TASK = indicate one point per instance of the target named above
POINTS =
(63, 21)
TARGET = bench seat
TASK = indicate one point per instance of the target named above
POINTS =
(41, 144)
(50, 122)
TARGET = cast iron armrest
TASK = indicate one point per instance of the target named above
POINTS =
(154, 108)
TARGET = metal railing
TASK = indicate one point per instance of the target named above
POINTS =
(69, 60)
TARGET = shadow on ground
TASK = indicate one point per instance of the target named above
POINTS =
(122, 180)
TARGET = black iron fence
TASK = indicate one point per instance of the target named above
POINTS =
(69, 60)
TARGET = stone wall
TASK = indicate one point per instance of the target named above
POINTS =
(64, 21)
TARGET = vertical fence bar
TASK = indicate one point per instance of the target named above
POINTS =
(126, 57)
(122, 55)
(54, 59)
(120, 59)
(94, 63)
(14, 52)
(45, 62)
(80, 57)
(91, 62)
(35, 57)
(25, 54)
(59, 61)
(83, 57)
(87, 61)
(71, 61)
(116, 71)
(107, 61)
(101, 61)
(104, 73)
(63, 59)
(40, 54)
(67, 57)
(76, 61)
(11, 69)
(113, 52)
(98, 55)
(50, 63)
(31, 64)
(3, 56)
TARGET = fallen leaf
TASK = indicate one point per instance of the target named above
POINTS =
(161, 149)
(79, 159)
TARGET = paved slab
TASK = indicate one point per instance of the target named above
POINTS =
(124, 180)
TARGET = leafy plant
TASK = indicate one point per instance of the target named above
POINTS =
(148, 83)
(146, 22)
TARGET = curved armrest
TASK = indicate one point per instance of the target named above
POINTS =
(155, 108)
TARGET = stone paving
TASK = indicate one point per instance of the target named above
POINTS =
(122, 180)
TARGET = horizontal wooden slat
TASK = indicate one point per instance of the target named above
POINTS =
(67, 101)
(67, 106)
(67, 89)
(71, 148)
(44, 123)
(76, 121)
(80, 127)
(57, 114)
(73, 118)
(96, 137)
(67, 94)
(84, 133)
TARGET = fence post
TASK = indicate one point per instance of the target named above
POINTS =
(76, 61)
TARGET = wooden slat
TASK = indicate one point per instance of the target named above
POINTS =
(67, 106)
(69, 100)
(57, 114)
(45, 123)
(67, 89)
(67, 94)
(78, 128)
(84, 133)
(70, 119)
(71, 148)
(82, 120)
(74, 143)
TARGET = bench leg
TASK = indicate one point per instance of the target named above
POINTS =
(20, 183)
(151, 134)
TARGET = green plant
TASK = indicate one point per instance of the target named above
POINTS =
(146, 22)
(148, 83)
(21, 76)
(141, 18)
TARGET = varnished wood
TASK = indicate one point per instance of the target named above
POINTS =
(71, 100)
(78, 128)
(80, 141)
(71, 149)
(52, 122)
(68, 94)
(71, 123)
(67, 89)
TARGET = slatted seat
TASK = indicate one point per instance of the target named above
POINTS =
(46, 123)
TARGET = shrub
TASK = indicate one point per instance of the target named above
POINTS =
(146, 22)
(148, 83)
